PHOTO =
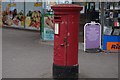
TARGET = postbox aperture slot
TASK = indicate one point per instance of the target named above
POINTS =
(57, 18)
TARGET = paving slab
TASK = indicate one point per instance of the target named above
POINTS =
(25, 56)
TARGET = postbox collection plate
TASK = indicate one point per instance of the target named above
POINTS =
(56, 28)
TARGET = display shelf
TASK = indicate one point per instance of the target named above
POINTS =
(118, 27)
(111, 9)
(111, 41)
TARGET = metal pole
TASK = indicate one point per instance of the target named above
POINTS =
(102, 18)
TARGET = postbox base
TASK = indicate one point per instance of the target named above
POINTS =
(65, 72)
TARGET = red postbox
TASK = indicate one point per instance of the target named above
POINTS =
(66, 19)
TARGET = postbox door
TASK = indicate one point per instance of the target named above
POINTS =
(60, 40)
(72, 53)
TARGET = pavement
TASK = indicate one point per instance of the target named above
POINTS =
(24, 55)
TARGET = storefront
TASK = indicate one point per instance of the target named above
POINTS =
(36, 15)
(27, 16)
(47, 28)
(108, 15)
(111, 32)
(39, 16)
(90, 12)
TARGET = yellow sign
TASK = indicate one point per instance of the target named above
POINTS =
(37, 4)
(113, 45)
(11, 4)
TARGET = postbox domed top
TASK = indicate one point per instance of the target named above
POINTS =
(67, 7)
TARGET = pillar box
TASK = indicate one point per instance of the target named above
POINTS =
(66, 19)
